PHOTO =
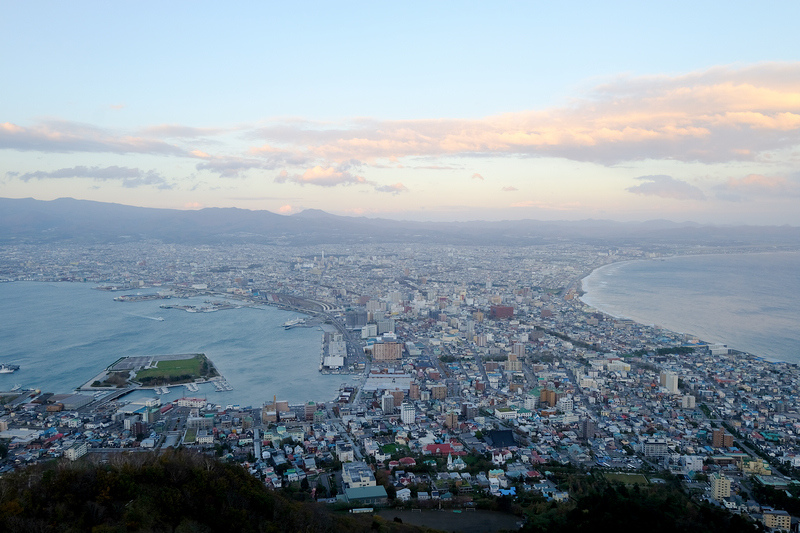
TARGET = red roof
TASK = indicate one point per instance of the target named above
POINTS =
(442, 449)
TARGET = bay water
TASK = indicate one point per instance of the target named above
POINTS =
(63, 334)
(751, 302)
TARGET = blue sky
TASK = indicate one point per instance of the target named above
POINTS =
(442, 111)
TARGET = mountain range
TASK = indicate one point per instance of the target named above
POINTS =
(31, 221)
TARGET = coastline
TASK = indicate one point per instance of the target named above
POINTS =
(593, 297)
(60, 360)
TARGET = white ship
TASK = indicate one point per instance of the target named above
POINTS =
(8, 369)
(294, 323)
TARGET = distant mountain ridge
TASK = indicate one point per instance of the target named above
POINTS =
(33, 221)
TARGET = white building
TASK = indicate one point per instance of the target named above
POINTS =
(669, 380)
(76, 451)
(408, 413)
(357, 474)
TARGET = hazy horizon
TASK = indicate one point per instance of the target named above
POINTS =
(421, 219)
(418, 112)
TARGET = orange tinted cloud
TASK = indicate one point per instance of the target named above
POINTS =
(720, 114)
(758, 185)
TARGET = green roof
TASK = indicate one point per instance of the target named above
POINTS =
(361, 493)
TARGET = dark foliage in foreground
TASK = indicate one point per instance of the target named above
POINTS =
(176, 491)
(603, 506)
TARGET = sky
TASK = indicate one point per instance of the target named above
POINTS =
(629, 111)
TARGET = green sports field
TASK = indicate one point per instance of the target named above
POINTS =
(626, 478)
(176, 371)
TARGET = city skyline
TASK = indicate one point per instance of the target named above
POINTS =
(418, 112)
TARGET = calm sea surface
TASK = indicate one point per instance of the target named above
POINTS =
(751, 302)
(63, 334)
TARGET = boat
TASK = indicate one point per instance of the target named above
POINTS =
(8, 369)
(289, 324)
(16, 387)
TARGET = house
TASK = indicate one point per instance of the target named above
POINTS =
(408, 461)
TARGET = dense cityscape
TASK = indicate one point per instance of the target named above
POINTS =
(479, 372)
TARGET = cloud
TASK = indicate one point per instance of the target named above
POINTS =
(286, 209)
(758, 185)
(235, 166)
(509, 189)
(180, 131)
(716, 115)
(322, 176)
(128, 177)
(117, 107)
(397, 188)
(193, 205)
(721, 114)
(64, 136)
(666, 187)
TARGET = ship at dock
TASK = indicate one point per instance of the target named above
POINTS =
(295, 322)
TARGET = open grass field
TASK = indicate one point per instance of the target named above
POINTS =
(173, 371)
(626, 478)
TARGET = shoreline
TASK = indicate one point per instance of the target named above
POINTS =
(75, 362)
(597, 306)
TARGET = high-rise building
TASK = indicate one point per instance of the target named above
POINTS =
(518, 350)
(588, 428)
(565, 404)
(451, 419)
(501, 311)
(469, 410)
(721, 439)
(387, 351)
(720, 486)
(655, 447)
(370, 330)
(385, 325)
(398, 396)
(413, 390)
(531, 401)
(439, 392)
(355, 318)
(387, 403)
(776, 519)
(669, 380)
(407, 413)
(550, 397)
(309, 410)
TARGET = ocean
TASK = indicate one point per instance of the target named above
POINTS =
(751, 302)
(63, 334)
